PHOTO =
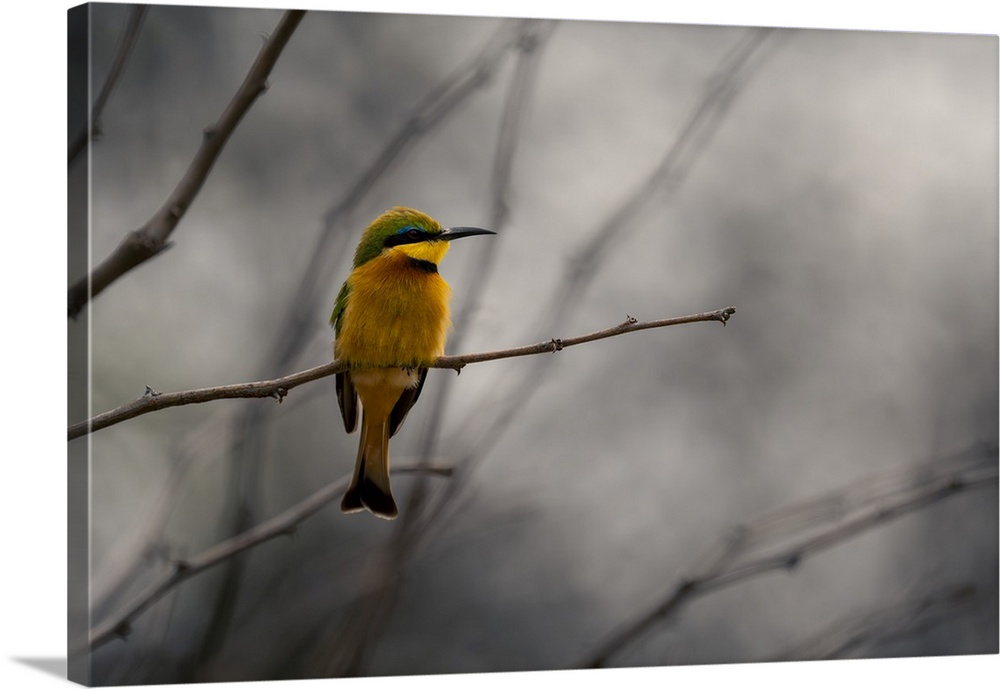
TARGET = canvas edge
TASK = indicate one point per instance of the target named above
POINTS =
(78, 352)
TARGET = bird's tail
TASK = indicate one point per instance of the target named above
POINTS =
(370, 485)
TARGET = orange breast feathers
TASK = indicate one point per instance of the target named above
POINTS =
(396, 314)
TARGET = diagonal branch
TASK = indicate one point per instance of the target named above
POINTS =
(279, 387)
(283, 524)
(911, 489)
(148, 241)
(92, 127)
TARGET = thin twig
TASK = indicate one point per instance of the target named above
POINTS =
(148, 241)
(876, 510)
(91, 129)
(277, 388)
(283, 524)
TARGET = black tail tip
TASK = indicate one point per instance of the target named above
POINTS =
(369, 497)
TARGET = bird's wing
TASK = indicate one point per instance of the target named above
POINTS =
(406, 400)
(347, 396)
(339, 306)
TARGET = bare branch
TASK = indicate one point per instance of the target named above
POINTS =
(555, 345)
(92, 127)
(283, 524)
(741, 558)
(148, 241)
(152, 400)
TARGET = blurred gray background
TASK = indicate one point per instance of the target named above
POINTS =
(843, 196)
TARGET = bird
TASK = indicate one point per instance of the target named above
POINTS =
(390, 321)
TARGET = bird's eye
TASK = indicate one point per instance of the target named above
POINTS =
(413, 233)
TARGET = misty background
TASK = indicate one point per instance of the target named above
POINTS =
(840, 191)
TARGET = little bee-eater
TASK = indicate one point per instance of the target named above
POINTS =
(390, 322)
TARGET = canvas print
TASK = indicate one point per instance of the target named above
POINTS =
(419, 345)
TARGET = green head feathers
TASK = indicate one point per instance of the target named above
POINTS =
(395, 222)
(415, 233)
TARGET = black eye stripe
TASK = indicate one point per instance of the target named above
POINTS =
(411, 236)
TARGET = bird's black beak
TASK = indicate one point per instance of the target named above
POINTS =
(459, 232)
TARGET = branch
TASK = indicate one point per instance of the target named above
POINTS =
(148, 241)
(92, 127)
(283, 524)
(846, 517)
(277, 388)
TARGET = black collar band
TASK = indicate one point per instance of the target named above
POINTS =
(423, 265)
